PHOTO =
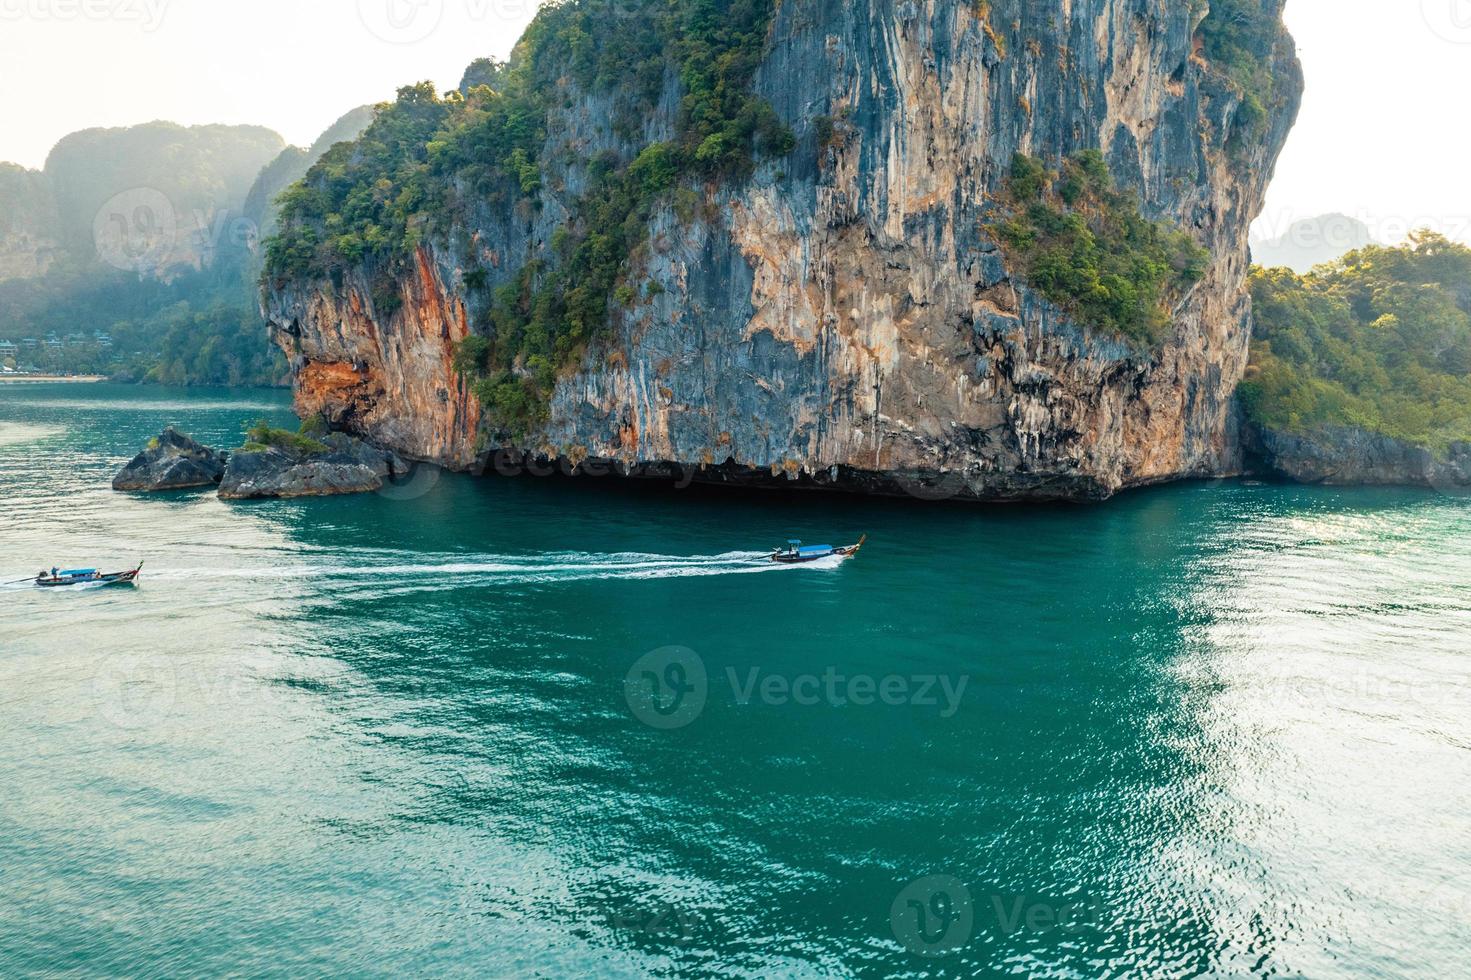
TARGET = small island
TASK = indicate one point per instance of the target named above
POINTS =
(273, 463)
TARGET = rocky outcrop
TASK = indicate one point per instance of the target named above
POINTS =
(1344, 456)
(173, 461)
(843, 316)
(341, 465)
(275, 473)
(347, 466)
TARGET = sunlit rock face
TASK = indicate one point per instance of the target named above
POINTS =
(843, 317)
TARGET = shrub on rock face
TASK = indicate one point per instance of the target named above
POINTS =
(1084, 245)
(280, 463)
(261, 437)
(273, 463)
(172, 461)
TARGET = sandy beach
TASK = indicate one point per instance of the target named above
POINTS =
(39, 379)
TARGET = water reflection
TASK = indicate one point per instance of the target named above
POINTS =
(1205, 729)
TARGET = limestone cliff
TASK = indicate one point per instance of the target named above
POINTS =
(844, 315)
(28, 224)
(159, 200)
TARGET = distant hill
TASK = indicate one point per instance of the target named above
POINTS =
(154, 200)
(147, 237)
(1312, 242)
(29, 224)
(156, 197)
(292, 165)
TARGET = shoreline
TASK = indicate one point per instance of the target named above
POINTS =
(87, 379)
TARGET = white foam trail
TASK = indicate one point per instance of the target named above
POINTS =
(515, 569)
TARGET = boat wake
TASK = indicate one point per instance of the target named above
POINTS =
(29, 585)
(465, 570)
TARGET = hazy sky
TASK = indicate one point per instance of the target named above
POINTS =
(1383, 134)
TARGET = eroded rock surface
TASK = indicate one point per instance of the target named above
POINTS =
(1343, 456)
(173, 461)
(844, 316)
(349, 466)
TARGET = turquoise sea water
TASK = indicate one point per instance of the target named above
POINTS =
(538, 727)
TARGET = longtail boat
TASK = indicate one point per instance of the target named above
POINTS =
(86, 576)
(796, 554)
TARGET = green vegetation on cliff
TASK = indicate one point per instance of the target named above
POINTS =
(427, 162)
(1238, 36)
(1379, 340)
(1083, 244)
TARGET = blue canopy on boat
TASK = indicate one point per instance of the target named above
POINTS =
(77, 572)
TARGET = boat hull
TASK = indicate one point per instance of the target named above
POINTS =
(117, 578)
(787, 558)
